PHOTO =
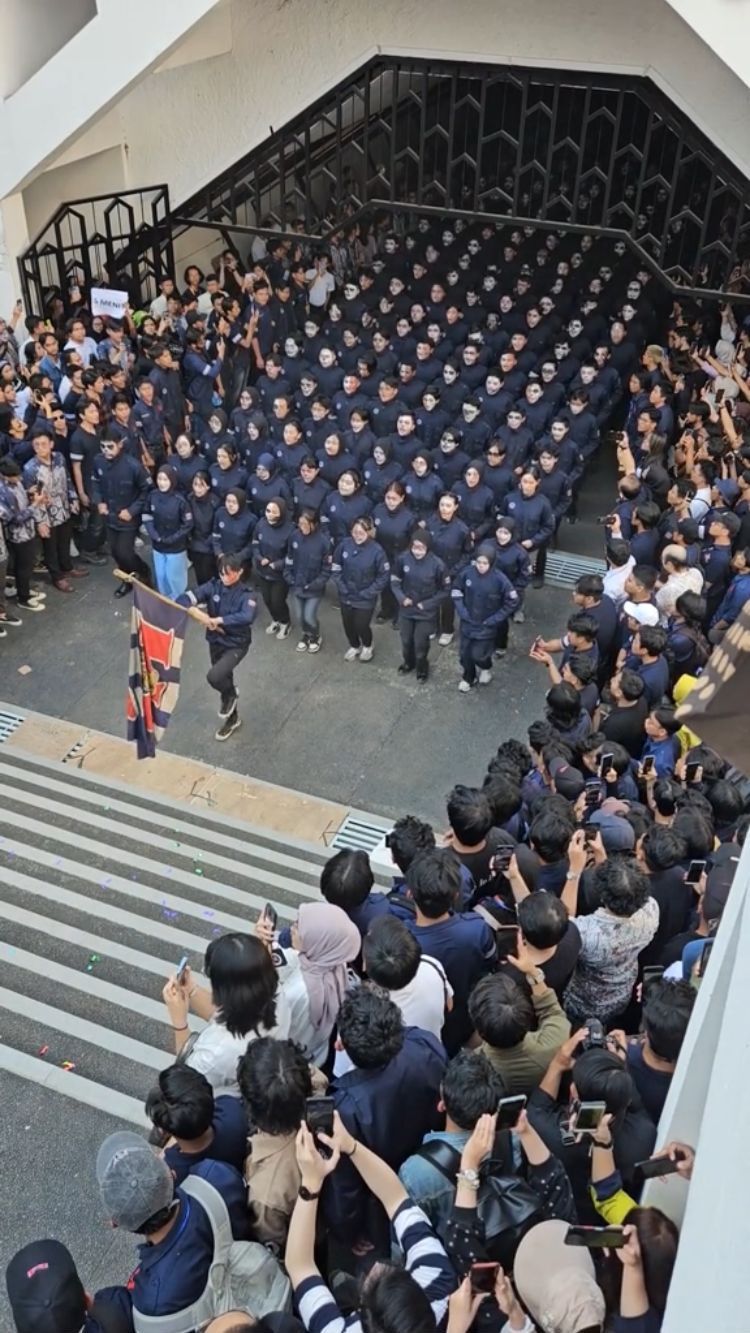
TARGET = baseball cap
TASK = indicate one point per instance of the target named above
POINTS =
(556, 1282)
(134, 1183)
(616, 833)
(45, 1292)
(643, 612)
(568, 781)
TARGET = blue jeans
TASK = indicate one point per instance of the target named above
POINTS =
(308, 614)
(171, 572)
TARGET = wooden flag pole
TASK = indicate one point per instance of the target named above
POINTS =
(192, 611)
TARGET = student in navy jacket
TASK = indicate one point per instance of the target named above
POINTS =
(168, 520)
(380, 470)
(227, 473)
(119, 488)
(423, 486)
(533, 514)
(267, 484)
(451, 541)
(230, 612)
(514, 562)
(343, 506)
(186, 461)
(307, 570)
(484, 599)
(203, 505)
(233, 528)
(394, 524)
(360, 572)
(476, 502)
(270, 542)
(420, 581)
(309, 490)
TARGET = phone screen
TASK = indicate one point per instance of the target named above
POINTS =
(605, 763)
(656, 1166)
(695, 870)
(691, 772)
(502, 859)
(588, 1117)
(596, 1238)
(181, 966)
(319, 1114)
(648, 764)
(270, 913)
(508, 1111)
(654, 973)
(483, 1276)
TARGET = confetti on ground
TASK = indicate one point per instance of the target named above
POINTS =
(207, 912)
(197, 870)
(93, 958)
(67, 1065)
(216, 930)
(43, 1050)
(24, 671)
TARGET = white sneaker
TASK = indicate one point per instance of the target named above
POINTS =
(315, 645)
(302, 646)
(350, 654)
(445, 639)
(485, 677)
(32, 606)
(273, 627)
(519, 618)
(464, 686)
(366, 655)
(283, 631)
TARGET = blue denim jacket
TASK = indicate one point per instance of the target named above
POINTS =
(427, 1186)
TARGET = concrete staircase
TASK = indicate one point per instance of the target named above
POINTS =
(102, 890)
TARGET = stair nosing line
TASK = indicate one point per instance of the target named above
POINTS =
(94, 1034)
(75, 1086)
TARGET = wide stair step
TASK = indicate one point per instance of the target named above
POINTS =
(103, 889)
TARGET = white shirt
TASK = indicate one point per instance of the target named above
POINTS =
(86, 350)
(422, 1004)
(614, 582)
(216, 1051)
(321, 286)
(158, 307)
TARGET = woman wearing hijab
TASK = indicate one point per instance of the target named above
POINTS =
(270, 545)
(233, 528)
(203, 505)
(420, 583)
(314, 974)
(168, 520)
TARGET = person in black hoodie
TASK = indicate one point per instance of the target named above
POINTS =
(451, 542)
(230, 612)
(203, 505)
(394, 524)
(168, 519)
(420, 582)
(307, 570)
(270, 543)
(234, 524)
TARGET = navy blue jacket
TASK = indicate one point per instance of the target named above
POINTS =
(451, 541)
(290, 457)
(370, 1103)
(232, 534)
(501, 480)
(378, 477)
(393, 528)
(515, 563)
(199, 375)
(309, 494)
(450, 467)
(556, 486)
(120, 483)
(423, 493)
(426, 583)
(260, 492)
(186, 469)
(308, 563)
(236, 606)
(339, 512)
(204, 517)
(476, 508)
(535, 521)
(483, 601)
(168, 520)
(360, 573)
(270, 542)
(224, 480)
(431, 425)
(332, 467)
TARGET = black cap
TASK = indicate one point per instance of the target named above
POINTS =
(45, 1292)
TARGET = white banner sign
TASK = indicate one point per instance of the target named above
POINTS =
(104, 301)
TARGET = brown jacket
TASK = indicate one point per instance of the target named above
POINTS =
(273, 1179)
(522, 1067)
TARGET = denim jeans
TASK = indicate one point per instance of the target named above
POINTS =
(308, 614)
(171, 572)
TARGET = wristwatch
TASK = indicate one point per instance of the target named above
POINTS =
(537, 978)
(469, 1176)
(308, 1195)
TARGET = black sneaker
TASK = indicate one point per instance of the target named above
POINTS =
(403, 669)
(92, 558)
(228, 704)
(228, 726)
(10, 619)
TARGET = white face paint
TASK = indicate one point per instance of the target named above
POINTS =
(350, 291)
(561, 350)
(574, 328)
(628, 311)
(423, 225)
(533, 392)
(449, 374)
(452, 277)
(473, 247)
(464, 262)
(548, 371)
(506, 304)
(489, 282)
(620, 248)
(431, 254)
(326, 358)
(472, 298)
(390, 246)
(634, 291)
(588, 374)
(290, 347)
(470, 412)
(448, 238)
(557, 431)
(492, 384)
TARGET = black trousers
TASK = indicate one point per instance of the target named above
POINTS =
(90, 532)
(204, 565)
(224, 662)
(274, 593)
(122, 546)
(56, 550)
(388, 604)
(415, 642)
(446, 616)
(23, 556)
(356, 621)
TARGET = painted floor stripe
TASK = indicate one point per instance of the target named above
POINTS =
(91, 985)
(119, 829)
(82, 1028)
(69, 1084)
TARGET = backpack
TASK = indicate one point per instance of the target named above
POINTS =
(507, 1206)
(243, 1275)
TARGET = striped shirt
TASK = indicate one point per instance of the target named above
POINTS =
(424, 1258)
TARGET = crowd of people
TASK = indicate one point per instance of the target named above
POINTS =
(433, 1107)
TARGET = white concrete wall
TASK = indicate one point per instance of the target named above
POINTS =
(33, 31)
(286, 54)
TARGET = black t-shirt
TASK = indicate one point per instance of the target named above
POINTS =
(85, 449)
(538, 875)
(672, 952)
(557, 970)
(625, 726)
(652, 1084)
(676, 902)
(478, 863)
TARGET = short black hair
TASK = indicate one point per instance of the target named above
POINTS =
(390, 953)
(470, 1088)
(600, 1076)
(646, 575)
(274, 1078)
(726, 800)
(583, 624)
(543, 919)
(590, 585)
(346, 879)
(667, 718)
(564, 704)
(504, 797)
(370, 1027)
(581, 667)
(501, 1010)
(667, 1007)
(653, 638)
(662, 847)
(181, 1103)
(516, 753)
(243, 981)
(631, 684)
(393, 1302)
(621, 887)
(408, 837)
(469, 814)
(696, 828)
(434, 881)
(540, 733)
(550, 834)
(665, 794)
